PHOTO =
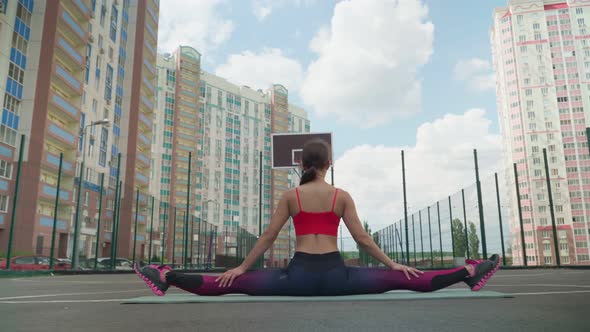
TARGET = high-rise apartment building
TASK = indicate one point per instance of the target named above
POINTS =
(66, 65)
(233, 125)
(541, 52)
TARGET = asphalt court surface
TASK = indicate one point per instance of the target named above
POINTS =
(544, 300)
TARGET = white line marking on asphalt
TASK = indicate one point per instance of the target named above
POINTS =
(61, 301)
(67, 294)
(550, 293)
(519, 275)
(538, 285)
(72, 282)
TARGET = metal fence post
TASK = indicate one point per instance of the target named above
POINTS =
(557, 255)
(480, 204)
(500, 218)
(405, 208)
(151, 232)
(465, 222)
(442, 263)
(452, 235)
(55, 211)
(522, 243)
(99, 220)
(14, 201)
(135, 225)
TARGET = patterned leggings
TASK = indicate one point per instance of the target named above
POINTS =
(318, 275)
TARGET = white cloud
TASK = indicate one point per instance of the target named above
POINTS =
(261, 70)
(369, 58)
(477, 73)
(263, 8)
(441, 163)
(193, 23)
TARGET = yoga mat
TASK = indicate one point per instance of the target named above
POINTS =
(390, 296)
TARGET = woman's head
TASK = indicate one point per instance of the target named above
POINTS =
(314, 158)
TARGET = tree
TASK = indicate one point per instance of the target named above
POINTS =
(460, 247)
(363, 255)
(473, 241)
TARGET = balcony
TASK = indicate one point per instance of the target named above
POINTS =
(47, 221)
(79, 8)
(152, 14)
(49, 192)
(79, 36)
(67, 51)
(151, 33)
(150, 49)
(52, 161)
(145, 121)
(150, 68)
(141, 178)
(63, 107)
(149, 86)
(60, 135)
(147, 103)
(67, 81)
(144, 139)
(144, 161)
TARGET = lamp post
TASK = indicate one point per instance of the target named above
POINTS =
(75, 252)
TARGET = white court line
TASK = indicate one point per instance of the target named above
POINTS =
(550, 293)
(538, 285)
(519, 275)
(74, 282)
(62, 301)
(67, 294)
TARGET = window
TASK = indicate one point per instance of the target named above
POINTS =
(103, 11)
(108, 83)
(86, 198)
(536, 26)
(19, 42)
(104, 137)
(12, 104)
(5, 169)
(16, 73)
(519, 19)
(547, 259)
(23, 14)
(114, 18)
(4, 203)
(579, 11)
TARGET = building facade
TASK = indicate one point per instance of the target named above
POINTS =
(68, 64)
(541, 52)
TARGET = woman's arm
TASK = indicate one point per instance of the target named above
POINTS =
(279, 218)
(353, 223)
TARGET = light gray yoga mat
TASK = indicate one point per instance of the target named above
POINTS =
(390, 296)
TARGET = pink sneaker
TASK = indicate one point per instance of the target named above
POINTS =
(153, 276)
(484, 269)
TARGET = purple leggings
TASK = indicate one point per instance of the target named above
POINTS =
(319, 275)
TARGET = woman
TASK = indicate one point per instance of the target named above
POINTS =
(317, 268)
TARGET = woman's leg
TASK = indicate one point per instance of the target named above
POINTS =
(358, 280)
(259, 282)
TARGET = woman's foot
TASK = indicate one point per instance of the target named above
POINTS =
(495, 258)
(481, 271)
(154, 276)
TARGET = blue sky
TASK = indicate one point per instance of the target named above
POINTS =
(460, 33)
(369, 57)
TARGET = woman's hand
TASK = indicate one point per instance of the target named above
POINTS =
(226, 279)
(407, 270)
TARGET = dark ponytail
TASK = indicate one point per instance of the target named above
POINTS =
(315, 157)
(308, 175)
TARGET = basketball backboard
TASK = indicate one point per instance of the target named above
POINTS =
(286, 148)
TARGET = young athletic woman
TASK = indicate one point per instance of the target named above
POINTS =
(317, 268)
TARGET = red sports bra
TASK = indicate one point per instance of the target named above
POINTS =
(325, 223)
